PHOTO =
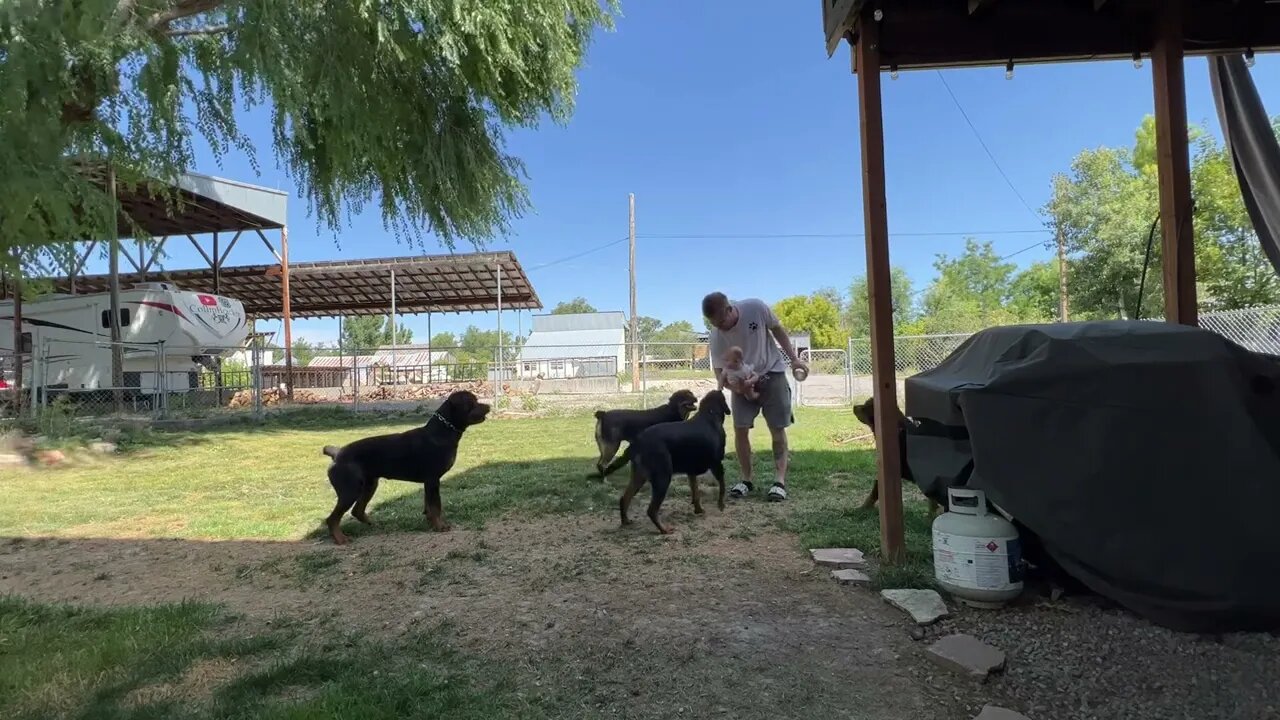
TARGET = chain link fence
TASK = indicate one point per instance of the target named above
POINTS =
(74, 378)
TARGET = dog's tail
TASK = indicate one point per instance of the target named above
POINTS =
(623, 459)
(331, 451)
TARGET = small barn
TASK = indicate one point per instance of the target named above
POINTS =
(576, 345)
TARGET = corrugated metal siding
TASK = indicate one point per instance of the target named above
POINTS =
(410, 355)
(574, 344)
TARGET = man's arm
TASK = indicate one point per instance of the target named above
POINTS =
(784, 341)
(719, 378)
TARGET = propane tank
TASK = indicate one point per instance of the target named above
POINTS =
(976, 555)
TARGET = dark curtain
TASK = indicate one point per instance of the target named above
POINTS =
(1253, 147)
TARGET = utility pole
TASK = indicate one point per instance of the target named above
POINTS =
(1062, 276)
(635, 326)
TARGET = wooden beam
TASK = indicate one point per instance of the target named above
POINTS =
(876, 222)
(1174, 161)
(976, 5)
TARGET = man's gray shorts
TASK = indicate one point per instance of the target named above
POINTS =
(774, 402)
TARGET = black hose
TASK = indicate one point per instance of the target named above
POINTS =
(1146, 263)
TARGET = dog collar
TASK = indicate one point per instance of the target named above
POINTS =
(447, 424)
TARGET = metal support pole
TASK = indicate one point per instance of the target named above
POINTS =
(497, 386)
(113, 284)
(395, 364)
(288, 314)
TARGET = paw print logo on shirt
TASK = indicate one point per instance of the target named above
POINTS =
(754, 326)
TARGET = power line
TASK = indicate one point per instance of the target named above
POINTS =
(983, 143)
(788, 236)
(575, 256)
(782, 236)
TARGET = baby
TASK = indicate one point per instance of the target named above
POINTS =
(740, 376)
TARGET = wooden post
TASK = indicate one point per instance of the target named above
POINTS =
(113, 285)
(876, 221)
(1062, 277)
(635, 326)
(288, 317)
(1174, 162)
(217, 290)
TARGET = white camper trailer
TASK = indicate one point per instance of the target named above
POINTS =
(70, 337)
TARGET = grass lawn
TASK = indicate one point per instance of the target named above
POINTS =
(267, 483)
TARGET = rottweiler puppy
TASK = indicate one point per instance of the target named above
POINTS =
(663, 451)
(615, 426)
(422, 455)
(866, 414)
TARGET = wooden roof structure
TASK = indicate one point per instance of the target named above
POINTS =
(424, 284)
(911, 34)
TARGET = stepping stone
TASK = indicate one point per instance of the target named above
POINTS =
(850, 576)
(924, 606)
(839, 558)
(968, 655)
(991, 712)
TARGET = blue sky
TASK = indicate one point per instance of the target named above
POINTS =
(727, 119)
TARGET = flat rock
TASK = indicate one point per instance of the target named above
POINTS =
(11, 459)
(103, 447)
(968, 655)
(924, 606)
(991, 712)
(850, 576)
(839, 558)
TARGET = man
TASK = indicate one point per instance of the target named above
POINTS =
(748, 324)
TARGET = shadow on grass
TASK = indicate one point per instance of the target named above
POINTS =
(477, 495)
(827, 489)
(194, 661)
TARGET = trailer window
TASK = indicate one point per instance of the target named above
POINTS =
(124, 318)
(26, 346)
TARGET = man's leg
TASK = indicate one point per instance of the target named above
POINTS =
(743, 413)
(776, 408)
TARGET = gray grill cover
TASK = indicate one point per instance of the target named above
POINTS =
(1144, 456)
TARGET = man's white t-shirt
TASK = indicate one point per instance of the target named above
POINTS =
(752, 335)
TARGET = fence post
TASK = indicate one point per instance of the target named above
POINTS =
(644, 375)
(256, 374)
(355, 382)
(162, 382)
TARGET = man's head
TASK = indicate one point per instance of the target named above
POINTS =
(733, 358)
(718, 311)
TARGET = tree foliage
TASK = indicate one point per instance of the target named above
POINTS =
(1107, 205)
(857, 313)
(576, 305)
(398, 103)
(815, 314)
(367, 333)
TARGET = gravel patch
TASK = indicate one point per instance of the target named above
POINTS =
(1077, 660)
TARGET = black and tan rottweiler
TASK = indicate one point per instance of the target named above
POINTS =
(686, 448)
(422, 455)
(615, 426)
(866, 414)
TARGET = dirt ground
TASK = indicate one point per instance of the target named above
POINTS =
(696, 624)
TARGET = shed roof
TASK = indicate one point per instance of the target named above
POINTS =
(409, 355)
(608, 320)
(565, 344)
(464, 282)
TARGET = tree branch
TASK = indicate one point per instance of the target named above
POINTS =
(184, 32)
(181, 9)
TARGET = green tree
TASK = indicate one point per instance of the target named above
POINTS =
(857, 313)
(1034, 293)
(413, 122)
(304, 350)
(366, 333)
(443, 341)
(1105, 208)
(576, 305)
(672, 341)
(647, 327)
(815, 314)
(972, 291)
